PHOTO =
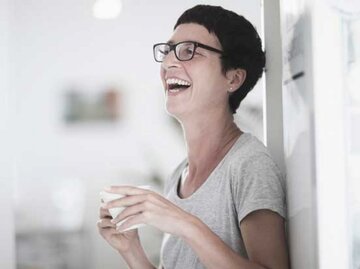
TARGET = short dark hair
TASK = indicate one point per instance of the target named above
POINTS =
(239, 40)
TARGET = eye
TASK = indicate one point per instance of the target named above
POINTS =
(189, 50)
(186, 51)
(164, 50)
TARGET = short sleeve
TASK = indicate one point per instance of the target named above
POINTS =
(258, 184)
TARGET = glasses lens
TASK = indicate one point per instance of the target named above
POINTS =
(185, 51)
(160, 51)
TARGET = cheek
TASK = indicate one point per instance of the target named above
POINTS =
(213, 81)
(212, 70)
(218, 79)
(162, 73)
(162, 76)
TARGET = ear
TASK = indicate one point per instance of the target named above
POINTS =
(236, 78)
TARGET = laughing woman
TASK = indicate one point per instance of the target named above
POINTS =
(224, 205)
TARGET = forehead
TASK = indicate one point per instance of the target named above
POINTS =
(194, 32)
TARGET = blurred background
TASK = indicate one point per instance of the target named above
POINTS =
(87, 110)
(82, 107)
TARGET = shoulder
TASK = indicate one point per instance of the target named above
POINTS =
(256, 181)
(252, 160)
(249, 150)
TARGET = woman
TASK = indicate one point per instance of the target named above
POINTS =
(224, 206)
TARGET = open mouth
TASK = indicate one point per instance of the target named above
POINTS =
(176, 85)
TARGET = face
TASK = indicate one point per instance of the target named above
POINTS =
(197, 86)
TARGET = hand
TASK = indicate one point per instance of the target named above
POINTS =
(148, 207)
(122, 242)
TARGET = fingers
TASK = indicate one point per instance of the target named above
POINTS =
(126, 201)
(136, 219)
(106, 228)
(135, 199)
(106, 232)
(139, 205)
(105, 223)
(129, 212)
(104, 213)
(126, 190)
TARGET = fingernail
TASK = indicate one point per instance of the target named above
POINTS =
(107, 188)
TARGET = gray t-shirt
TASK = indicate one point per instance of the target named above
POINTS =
(247, 179)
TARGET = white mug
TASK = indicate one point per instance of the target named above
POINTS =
(107, 197)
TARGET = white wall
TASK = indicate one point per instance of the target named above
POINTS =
(299, 135)
(330, 102)
(54, 44)
(7, 250)
(314, 140)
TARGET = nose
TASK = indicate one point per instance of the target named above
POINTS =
(170, 61)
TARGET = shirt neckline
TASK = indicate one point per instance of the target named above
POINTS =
(175, 188)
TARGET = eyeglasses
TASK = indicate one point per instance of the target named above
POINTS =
(184, 51)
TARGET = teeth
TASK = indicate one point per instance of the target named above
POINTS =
(171, 81)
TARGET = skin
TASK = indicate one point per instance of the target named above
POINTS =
(203, 111)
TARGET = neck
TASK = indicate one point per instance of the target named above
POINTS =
(208, 141)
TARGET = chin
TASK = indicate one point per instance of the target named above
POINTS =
(174, 110)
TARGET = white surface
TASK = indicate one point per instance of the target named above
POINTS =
(329, 103)
(7, 244)
(107, 9)
(7, 236)
(299, 135)
(289, 131)
(314, 138)
(273, 123)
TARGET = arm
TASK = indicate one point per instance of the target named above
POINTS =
(136, 257)
(264, 237)
(263, 231)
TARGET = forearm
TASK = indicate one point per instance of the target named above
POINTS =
(136, 257)
(212, 251)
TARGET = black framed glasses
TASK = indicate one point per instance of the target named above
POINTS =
(184, 51)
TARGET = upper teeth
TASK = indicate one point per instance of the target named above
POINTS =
(177, 81)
